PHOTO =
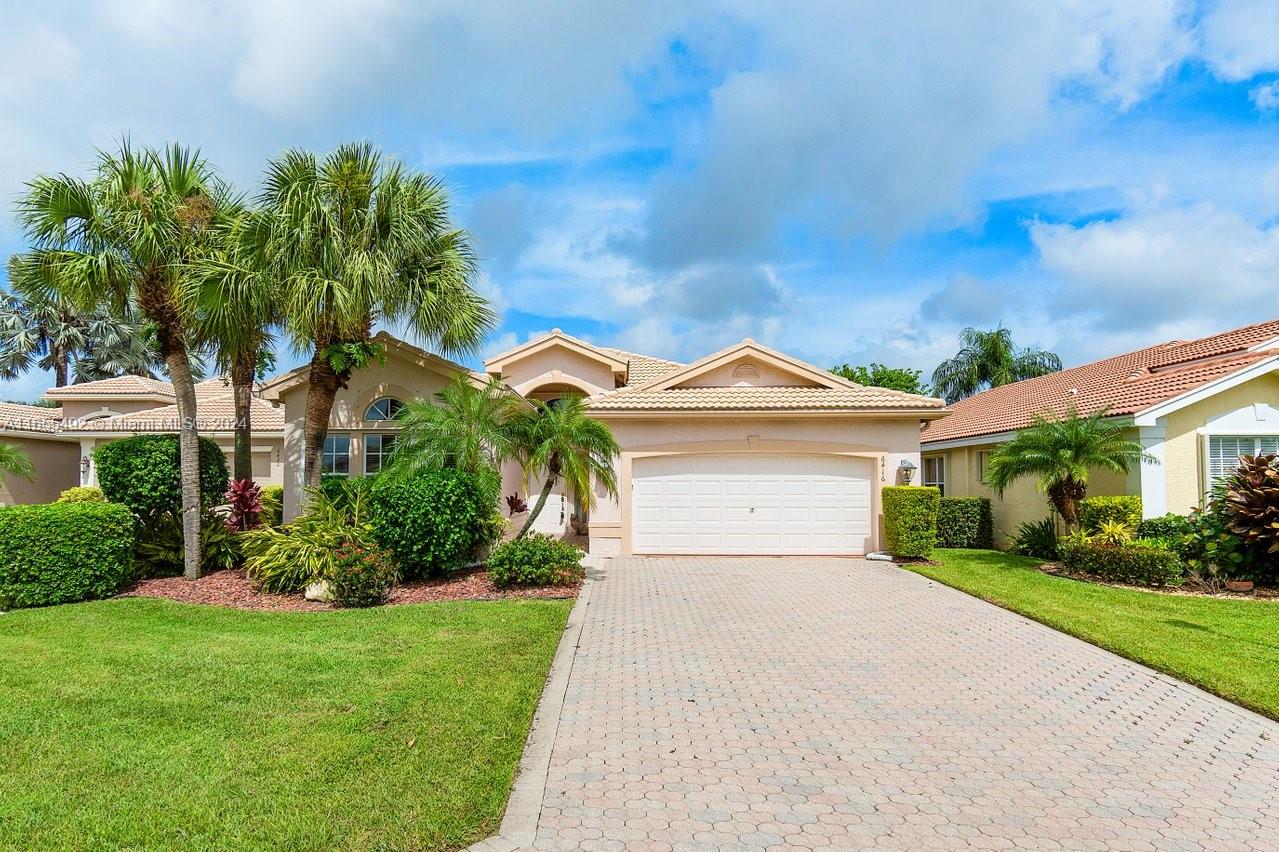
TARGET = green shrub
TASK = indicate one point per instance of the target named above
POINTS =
(1037, 539)
(965, 522)
(143, 473)
(82, 494)
(286, 559)
(1126, 563)
(910, 520)
(1094, 511)
(432, 521)
(160, 548)
(362, 575)
(1169, 527)
(63, 552)
(1113, 533)
(535, 560)
(272, 505)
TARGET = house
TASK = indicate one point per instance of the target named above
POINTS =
(34, 429)
(1194, 405)
(746, 451)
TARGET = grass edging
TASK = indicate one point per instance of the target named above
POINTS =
(1224, 646)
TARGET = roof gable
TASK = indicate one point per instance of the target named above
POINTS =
(501, 362)
(275, 388)
(749, 353)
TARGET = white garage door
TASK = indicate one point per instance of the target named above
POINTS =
(749, 503)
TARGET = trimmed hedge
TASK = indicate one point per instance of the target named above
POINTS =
(1128, 563)
(1170, 527)
(1094, 511)
(965, 522)
(63, 552)
(82, 494)
(432, 521)
(910, 520)
(143, 473)
(535, 560)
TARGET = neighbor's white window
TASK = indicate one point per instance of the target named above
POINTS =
(383, 409)
(1224, 451)
(377, 448)
(336, 458)
(935, 472)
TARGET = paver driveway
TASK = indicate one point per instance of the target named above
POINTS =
(752, 703)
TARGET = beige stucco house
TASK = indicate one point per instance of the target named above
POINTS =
(1194, 405)
(747, 451)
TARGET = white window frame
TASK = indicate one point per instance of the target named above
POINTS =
(393, 407)
(328, 457)
(382, 451)
(1261, 443)
(939, 463)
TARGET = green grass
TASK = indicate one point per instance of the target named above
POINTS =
(137, 723)
(1227, 646)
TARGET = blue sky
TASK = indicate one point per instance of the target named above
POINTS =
(846, 181)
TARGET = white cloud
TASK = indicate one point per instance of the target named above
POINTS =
(1266, 96)
(1241, 37)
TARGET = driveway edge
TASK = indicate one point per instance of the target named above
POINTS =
(519, 823)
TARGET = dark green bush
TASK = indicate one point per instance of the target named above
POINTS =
(1127, 563)
(1094, 511)
(143, 473)
(1037, 539)
(160, 548)
(1168, 527)
(362, 575)
(910, 520)
(431, 521)
(965, 522)
(63, 552)
(535, 560)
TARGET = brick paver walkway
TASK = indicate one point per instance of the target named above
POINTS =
(830, 703)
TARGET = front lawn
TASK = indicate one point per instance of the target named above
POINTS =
(152, 724)
(1225, 645)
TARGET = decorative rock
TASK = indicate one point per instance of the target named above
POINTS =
(319, 591)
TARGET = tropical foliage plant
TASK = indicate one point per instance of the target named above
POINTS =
(15, 462)
(287, 559)
(1252, 503)
(462, 426)
(244, 499)
(989, 359)
(1061, 454)
(1122, 508)
(1037, 539)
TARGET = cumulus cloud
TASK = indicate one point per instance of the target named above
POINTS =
(1266, 96)
(1241, 37)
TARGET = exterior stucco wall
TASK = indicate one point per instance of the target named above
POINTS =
(267, 451)
(887, 442)
(1022, 502)
(573, 365)
(1187, 430)
(399, 378)
(769, 376)
(57, 465)
(78, 409)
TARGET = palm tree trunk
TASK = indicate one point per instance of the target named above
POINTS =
(175, 359)
(1065, 497)
(537, 507)
(60, 367)
(321, 392)
(243, 370)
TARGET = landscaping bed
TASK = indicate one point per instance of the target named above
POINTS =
(232, 588)
(1224, 644)
(148, 724)
(1268, 593)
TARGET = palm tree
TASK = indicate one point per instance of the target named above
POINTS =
(127, 236)
(989, 359)
(237, 306)
(41, 330)
(354, 240)
(464, 427)
(559, 440)
(15, 462)
(1061, 453)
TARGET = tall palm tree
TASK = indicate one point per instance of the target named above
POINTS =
(464, 426)
(560, 440)
(47, 331)
(127, 236)
(237, 305)
(989, 359)
(15, 462)
(355, 239)
(1060, 454)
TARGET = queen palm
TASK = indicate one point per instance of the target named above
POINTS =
(354, 240)
(989, 359)
(559, 440)
(15, 462)
(1060, 453)
(463, 426)
(127, 236)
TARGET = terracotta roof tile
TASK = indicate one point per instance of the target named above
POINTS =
(16, 417)
(119, 385)
(1125, 384)
(642, 369)
(215, 412)
(760, 399)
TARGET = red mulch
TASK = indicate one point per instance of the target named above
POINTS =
(233, 589)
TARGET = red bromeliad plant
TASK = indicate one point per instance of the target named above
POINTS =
(1252, 502)
(245, 499)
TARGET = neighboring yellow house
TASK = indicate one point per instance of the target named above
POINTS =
(1195, 405)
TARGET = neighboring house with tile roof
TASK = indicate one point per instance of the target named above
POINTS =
(1194, 404)
(34, 429)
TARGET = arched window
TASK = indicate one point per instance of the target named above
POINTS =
(384, 409)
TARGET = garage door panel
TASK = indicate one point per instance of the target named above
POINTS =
(751, 503)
